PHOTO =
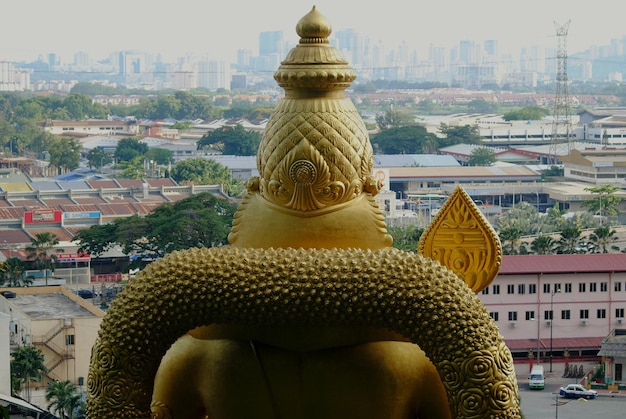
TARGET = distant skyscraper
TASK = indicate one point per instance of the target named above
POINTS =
(491, 47)
(81, 59)
(271, 43)
(213, 75)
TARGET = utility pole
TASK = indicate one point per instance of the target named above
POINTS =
(560, 142)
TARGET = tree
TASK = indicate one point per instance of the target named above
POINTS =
(235, 141)
(406, 237)
(97, 239)
(129, 148)
(530, 113)
(542, 245)
(201, 171)
(42, 250)
(394, 118)
(98, 158)
(602, 237)
(63, 398)
(412, 139)
(570, 241)
(607, 202)
(27, 365)
(65, 154)
(12, 273)
(161, 156)
(512, 243)
(202, 220)
(482, 156)
(467, 134)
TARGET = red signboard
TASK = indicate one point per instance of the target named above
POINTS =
(43, 216)
(73, 257)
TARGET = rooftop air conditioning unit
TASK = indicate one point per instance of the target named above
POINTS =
(584, 322)
(620, 321)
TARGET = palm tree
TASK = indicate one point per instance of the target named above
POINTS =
(12, 273)
(42, 250)
(28, 366)
(570, 240)
(63, 398)
(511, 238)
(602, 237)
(542, 245)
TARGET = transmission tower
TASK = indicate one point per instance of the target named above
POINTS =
(560, 142)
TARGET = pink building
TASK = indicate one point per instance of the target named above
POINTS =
(567, 303)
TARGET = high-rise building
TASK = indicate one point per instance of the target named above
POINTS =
(213, 75)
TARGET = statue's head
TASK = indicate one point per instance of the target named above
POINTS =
(315, 187)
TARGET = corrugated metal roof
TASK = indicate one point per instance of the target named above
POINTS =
(536, 264)
(570, 343)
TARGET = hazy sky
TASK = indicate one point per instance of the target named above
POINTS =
(176, 28)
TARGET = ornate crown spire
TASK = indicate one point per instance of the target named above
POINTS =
(315, 157)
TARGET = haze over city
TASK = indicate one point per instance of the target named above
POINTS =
(220, 29)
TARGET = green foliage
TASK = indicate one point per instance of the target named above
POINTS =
(63, 398)
(394, 118)
(182, 125)
(201, 171)
(483, 106)
(42, 251)
(202, 220)
(129, 148)
(97, 239)
(482, 156)
(553, 171)
(530, 113)
(601, 239)
(97, 157)
(406, 237)
(542, 245)
(232, 141)
(27, 366)
(467, 134)
(412, 139)
(12, 273)
(160, 156)
(512, 244)
(65, 154)
(607, 202)
(570, 241)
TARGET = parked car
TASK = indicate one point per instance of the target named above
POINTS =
(576, 391)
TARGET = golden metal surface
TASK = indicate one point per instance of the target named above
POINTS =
(310, 263)
(461, 239)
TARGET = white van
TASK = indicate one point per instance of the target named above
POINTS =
(536, 380)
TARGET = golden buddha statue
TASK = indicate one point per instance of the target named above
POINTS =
(309, 313)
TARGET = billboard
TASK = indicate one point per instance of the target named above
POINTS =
(43, 216)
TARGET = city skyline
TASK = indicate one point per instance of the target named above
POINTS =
(220, 31)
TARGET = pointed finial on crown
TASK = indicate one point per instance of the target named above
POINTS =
(314, 65)
(313, 27)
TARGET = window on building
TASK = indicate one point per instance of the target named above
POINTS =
(530, 315)
(546, 288)
(512, 316)
(532, 289)
(619, 313)
(618, 286)
(510, 289)
(584, 314)
(557, 288)
(496, 289)
(593, 287)
(69, 339)
(582, 287)
(485, 291)
(601, 313)
(494, 315)
(568, 287)
(548, 315)
(521, 289)
(604, 287)
(565, 315)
